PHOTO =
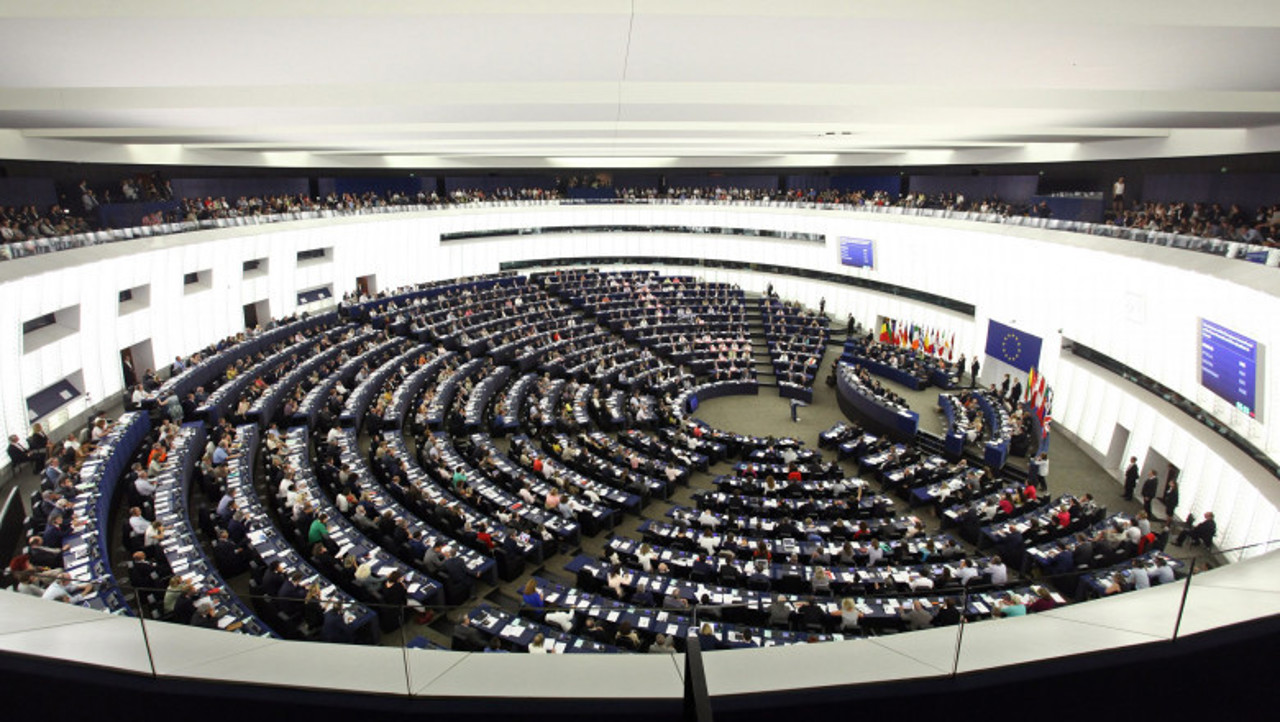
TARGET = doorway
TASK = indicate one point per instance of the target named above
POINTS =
(367, 286)
(127, 369)
(1157, 462)
(256, 312)
(1119, 442)
(135, 361)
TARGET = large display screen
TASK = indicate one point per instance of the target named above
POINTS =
(1229, 366)
(858, 252)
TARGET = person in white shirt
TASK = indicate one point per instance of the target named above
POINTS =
(526, 496)
(62, 590)
(1141, 580)
(708, 542)
(1132, 533)
(537, 645)
(616, 579)
(57, 590)
(144, 486)
(708, 520)
(155, 532)
(560, 618)
(99, 430)
(1144, 524)
(645, 554)
(1162, 573)
(572, 507)
(138, 524)
(998, 572)
(920, 582)
(965, 572)
(874, 553)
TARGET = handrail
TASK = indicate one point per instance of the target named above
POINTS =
(1215, 246)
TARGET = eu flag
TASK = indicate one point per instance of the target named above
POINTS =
(1018, 349)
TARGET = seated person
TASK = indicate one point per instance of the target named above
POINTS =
(917, 616)
(1010, 606)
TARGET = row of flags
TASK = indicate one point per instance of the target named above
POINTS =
(936, 342)
(1039, 396)
(933, 341)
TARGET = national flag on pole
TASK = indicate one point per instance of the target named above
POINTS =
(1045, 410)
(1037, 395)
(951, 345)
(928, 341)
(915, 337)
(1031, 383)
(884, 331)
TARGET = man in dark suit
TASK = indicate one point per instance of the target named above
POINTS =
(189, 406)
(145, 577)
(973, 374)
(18, 451)
(456, 574)
(467, 638)
(229, 558)
(1131, 478)
(1170, 498)
(1084, 550)
(335, 629)
(1004, 387)
(1016, 395)
(1202, 532)
(238, 528)
(55, 531)
(292, 592)
(273, 579)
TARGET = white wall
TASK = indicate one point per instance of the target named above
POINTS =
(1138, 304)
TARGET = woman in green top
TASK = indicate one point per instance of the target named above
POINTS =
(319, 531)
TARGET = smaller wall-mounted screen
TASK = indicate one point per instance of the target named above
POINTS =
(857, 252)
(1230, 365)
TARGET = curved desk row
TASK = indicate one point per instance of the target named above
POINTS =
(87, 552)
(884, 370)
(996, 450)
(856, 399)
(216, 365)
(953, 441)
(689, 400)
(183, 550)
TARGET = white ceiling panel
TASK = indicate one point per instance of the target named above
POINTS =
(475, 84)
